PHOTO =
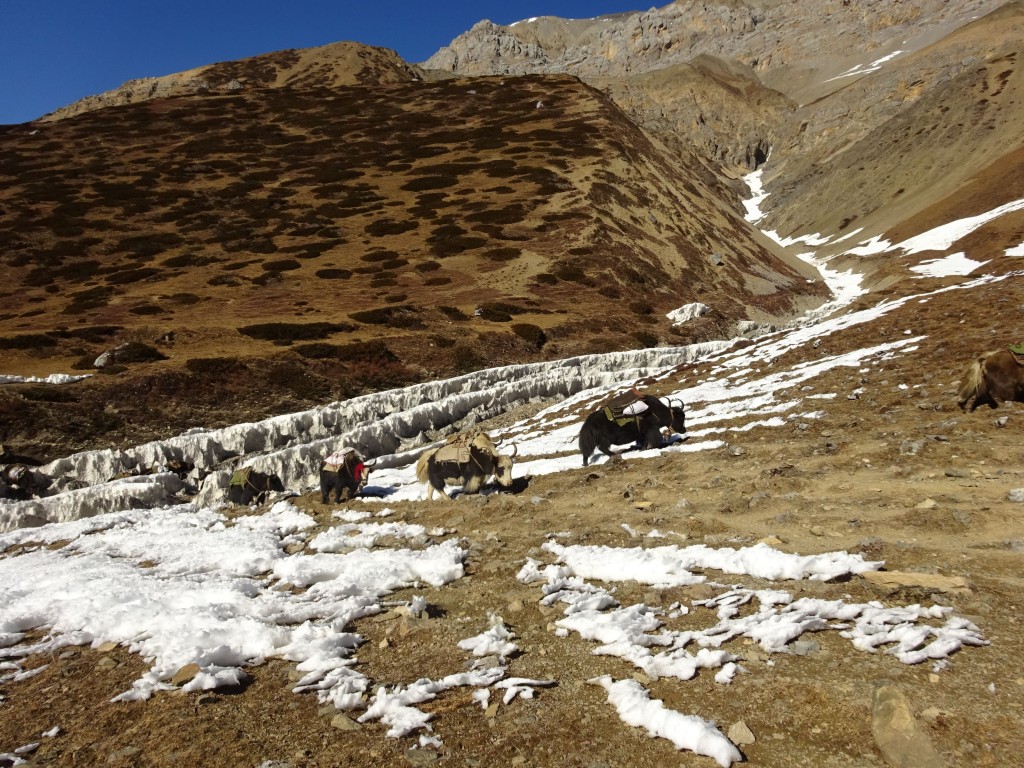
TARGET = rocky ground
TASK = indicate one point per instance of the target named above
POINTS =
(892, 469)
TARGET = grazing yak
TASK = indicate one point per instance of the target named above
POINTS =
(610, 426)
(468, 460)
(344, 472)
(249, 486)
(993, 376)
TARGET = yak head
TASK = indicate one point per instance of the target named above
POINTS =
(503, 467)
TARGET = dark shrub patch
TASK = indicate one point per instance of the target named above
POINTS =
(281, 265)
(640, 307)
(28, 341)
(445, 232)
(215, 366)
(428, 266)
(453, 313)
(494, 315)
(189, 260)
(455, 245)
(546, 278)
(267, 278)
(185, 298)
(439, 280)
(646, 338)
(134, 352)
(286, 333)
(401, 316)
(610, 291)
(531, 333)
(388, 227)
(334, 274)
(466, 359)
(442, 342)
(144, 246)
(132, 275)
(503, 307)
(92, 333)
(570, 273)
(238, 265)
(502, 254)
(91, 298)
(376, 256)
(224, 280)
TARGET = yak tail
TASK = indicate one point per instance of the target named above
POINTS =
(421, 466)
(972, 381)
(587, 442)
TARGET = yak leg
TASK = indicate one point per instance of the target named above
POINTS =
(652, 438)
(325, 491)
(604, 445)
(472, 485)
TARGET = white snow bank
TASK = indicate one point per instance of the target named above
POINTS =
(635, 706)
(53, 378)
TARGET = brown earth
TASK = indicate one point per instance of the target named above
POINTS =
(284, 246)
(897, 474)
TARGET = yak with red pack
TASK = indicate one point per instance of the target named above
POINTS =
(345, 473)
(631, 418)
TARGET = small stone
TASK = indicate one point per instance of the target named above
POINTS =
(492, 710)
(207, 698)
(1016, 494)
(121, 754)
(927, 504)
(106, 647)
(344, 723)
(805, 647)
(515, 606)
(740, 734)
(106, 663)
(417, 756)
(185, 673)
(897, 733)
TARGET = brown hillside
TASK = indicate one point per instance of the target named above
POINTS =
(337, 64)
(227, 226)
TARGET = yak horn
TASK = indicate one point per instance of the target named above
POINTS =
(370, 462)
(515, 450)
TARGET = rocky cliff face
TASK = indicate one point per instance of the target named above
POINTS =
(844, 96)
(775, 57)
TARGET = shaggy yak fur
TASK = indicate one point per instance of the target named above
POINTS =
(602, 429)
(992, 377)
(466, 460)
(346, 479)
(249, 486)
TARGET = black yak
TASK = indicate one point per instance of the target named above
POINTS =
(607, 426)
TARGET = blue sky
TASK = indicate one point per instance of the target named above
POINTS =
(53, 52)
